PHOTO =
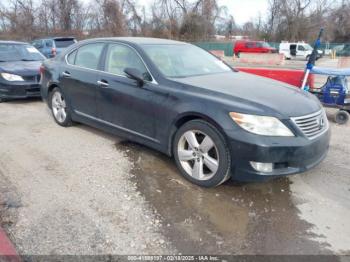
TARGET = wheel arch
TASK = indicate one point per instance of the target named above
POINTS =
(50, 88)
(186, 117)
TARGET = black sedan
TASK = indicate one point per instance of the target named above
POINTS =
(181, 100)
(19, 70)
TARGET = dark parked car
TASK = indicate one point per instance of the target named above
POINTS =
(19, 70)
(51, 47)
(179, 99)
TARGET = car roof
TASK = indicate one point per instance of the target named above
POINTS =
(140, 40)
(13, 42)
(293, 43)
(55, 38)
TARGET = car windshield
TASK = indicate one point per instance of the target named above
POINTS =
(64, 42)
(184, 60)
(19, 52)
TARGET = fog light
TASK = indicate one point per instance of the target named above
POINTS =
(262, 167)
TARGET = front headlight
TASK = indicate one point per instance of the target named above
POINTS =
(261, 125)
(11, 77)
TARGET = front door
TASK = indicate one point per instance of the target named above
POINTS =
(301, 51)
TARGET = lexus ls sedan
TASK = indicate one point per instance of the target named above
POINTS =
(174, 97)
(19, 70)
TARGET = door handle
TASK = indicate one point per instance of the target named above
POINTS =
(103, 84)
(66, 74)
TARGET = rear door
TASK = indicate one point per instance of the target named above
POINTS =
(79, 78)
(121, 103)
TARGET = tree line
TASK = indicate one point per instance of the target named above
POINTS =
(190, 20)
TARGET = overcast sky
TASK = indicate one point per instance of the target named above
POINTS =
(242, 10)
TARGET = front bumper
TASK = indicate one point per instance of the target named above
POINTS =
(17, 91)
(290, 155)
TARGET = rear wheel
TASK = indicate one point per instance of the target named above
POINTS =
(201, 154)
(59, 108)
(342, 117)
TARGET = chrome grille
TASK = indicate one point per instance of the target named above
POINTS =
(312, 125)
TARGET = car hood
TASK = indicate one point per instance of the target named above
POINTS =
(22, 68)
(263, 94)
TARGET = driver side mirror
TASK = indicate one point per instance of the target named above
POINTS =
(135, 74)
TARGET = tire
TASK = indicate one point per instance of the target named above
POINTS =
(201, 154)
(342, 117)
(59, 108)
(307, 58)
(238, 55)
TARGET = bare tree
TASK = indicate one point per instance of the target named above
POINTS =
(191, 20)
(340, 25)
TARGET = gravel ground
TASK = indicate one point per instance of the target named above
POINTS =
(70, 189)
(80, 191)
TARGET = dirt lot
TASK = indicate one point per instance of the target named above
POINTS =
(80, 191)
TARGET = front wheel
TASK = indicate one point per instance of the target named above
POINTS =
(59, 108)
(201, 154)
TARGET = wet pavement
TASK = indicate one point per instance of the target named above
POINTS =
(233, 218)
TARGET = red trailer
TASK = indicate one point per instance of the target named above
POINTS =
(289, 76)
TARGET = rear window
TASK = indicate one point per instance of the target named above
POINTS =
(64, 42)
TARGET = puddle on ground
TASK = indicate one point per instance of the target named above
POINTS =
(230, 219)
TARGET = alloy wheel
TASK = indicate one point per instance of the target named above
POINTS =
(198, 155)
(59, 107)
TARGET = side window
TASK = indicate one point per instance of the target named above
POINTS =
(120, 57)
(88, 56)
(48, 43)
(249, 45)
(71, 57)
(301, 48)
